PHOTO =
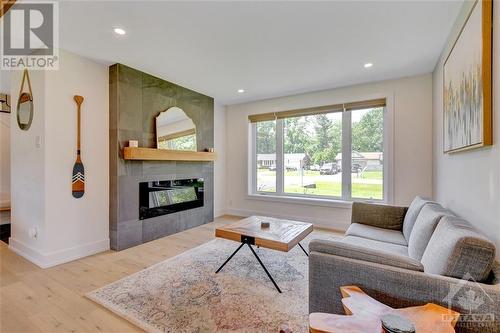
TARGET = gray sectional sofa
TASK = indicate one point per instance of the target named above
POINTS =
(410, 256)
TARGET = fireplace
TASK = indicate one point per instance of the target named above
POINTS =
(135, 100)
(163, 197)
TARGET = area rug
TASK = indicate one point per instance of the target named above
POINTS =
(183, 294)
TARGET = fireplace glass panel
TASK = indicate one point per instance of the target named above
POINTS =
(158, 198)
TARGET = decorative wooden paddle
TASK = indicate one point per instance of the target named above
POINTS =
(78, 180)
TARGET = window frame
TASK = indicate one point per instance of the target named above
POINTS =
(322, 200)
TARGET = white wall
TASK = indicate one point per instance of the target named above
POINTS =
(5, 81)
(4, 155)
(28, 172)
(84, 222)
(412, 147)
(469, 182)
(4, 150)
(220, 163)
(68, 228)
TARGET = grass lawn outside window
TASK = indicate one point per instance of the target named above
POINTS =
(368, 184)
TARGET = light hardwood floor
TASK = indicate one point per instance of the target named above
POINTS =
(51, 300)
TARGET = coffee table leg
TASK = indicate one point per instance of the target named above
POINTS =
(231, 256)
(307, 254)
(265, 269)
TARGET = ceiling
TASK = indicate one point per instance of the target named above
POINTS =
(268, 48)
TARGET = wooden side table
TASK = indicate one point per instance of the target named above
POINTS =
(363, 314)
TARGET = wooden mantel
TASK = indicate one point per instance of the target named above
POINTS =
(153, 154)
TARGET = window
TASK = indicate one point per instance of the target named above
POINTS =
(367, 140)
(266, 156)
(328, 152)
(311, 145)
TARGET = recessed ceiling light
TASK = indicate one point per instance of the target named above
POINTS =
(119, 31)
(368, 65)
(241, 91)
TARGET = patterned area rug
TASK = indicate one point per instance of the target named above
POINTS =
(183, 294)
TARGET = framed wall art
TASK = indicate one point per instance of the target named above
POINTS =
(467, 102)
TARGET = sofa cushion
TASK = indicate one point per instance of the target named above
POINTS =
(458, 250)
(426, 223)
(411, 215)
(378, 215)
(379, 234)
(376, 245)
(346, 250)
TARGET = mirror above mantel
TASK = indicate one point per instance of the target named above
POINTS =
(175, 130)
(175, 140)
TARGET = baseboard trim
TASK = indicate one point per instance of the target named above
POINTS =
(27, 252)
(220, 213)
(321, 223)
(50, 259)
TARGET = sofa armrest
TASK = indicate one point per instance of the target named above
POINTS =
(377, 215)
(398, 287)
(338, 248)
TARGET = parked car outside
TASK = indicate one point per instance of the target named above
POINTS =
(329, 169)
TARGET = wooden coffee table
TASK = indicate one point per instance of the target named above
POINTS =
(281, 235)
(363, 314)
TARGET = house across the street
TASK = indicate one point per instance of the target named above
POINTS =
(269, 160)
(363, 159)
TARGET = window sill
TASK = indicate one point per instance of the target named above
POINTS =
(333, 203)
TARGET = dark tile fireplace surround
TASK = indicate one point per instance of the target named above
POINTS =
(136, 98)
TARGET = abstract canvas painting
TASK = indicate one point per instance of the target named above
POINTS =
(467, 83)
